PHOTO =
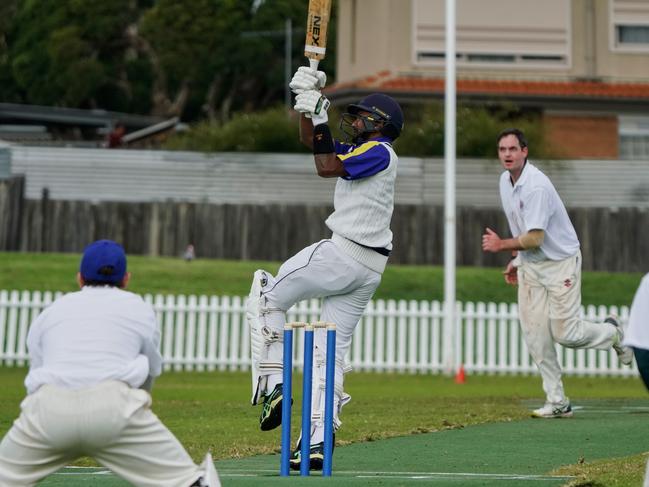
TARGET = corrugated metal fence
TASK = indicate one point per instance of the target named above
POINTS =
(210, 333)
(129, 175)
(609, 237)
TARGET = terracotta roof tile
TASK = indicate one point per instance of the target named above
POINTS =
(383, 80)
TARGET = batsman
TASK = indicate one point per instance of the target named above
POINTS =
(344, 270)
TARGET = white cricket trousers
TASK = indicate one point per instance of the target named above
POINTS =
(549, 299)
(110, 422)
(321, 270)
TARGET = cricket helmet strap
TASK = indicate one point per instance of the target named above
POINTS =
(383, 109)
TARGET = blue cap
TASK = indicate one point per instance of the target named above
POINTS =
(103, 261)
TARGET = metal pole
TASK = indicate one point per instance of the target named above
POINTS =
(288, 62)
(449, 191)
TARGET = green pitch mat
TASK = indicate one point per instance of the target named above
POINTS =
(518, 453)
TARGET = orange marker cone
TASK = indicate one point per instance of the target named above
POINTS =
(460, 377)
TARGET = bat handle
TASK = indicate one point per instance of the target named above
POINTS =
(313, 64)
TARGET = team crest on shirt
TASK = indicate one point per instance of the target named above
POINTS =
(567, 283)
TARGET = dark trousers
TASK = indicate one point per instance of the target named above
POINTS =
(642, 359)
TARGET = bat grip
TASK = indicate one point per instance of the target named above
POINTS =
(313, 64)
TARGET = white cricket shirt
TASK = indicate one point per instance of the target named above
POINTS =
(637, 333)
(363, 204)
(93, 335)
(533, 204)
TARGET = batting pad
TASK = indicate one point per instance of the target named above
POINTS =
(264, 360)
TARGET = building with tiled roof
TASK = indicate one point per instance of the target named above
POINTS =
(583, 65)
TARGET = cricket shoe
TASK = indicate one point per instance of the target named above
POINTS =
(316, 456)
(271, 409)
(625, 354)
(550, 410)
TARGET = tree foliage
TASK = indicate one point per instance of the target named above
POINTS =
(268, 131)
(192, 58)
(476, 130)
(274, 130)
(66, 52)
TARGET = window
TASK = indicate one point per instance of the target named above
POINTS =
(632, 34)
(506, 34)
(629, 25)
(634, 138)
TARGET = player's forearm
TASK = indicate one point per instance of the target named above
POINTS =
(326, 160)
(329, 166)
(306, 131)
(509, 245)
(531, 240)
(527, 241)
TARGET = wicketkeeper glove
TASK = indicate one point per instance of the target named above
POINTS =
(314, 105)
(306, 79)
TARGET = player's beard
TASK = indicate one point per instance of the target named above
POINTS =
(352, 133)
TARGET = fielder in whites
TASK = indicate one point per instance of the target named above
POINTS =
(93, 358)
(637, 337)
(546, 265)
(344, 270)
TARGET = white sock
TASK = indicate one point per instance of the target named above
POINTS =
(273, 380)
(318, 434)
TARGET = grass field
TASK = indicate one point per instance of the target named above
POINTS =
(55, 272)
(481, 428)
(399, 429)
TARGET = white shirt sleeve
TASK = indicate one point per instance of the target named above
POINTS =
(637, 334)
(34, 342)
(151, 346)
(537, 210)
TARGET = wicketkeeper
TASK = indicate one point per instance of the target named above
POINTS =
(345, 270)
(93, 358)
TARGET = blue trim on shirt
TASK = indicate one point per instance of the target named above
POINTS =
(364, 160)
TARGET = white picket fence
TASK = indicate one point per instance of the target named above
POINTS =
(210, 333)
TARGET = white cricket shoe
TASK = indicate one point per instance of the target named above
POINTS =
(550, 410)
(625, 354)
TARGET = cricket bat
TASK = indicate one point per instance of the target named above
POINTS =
(317, 21)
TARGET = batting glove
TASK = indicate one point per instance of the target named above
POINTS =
(314, 105)
(306, 79)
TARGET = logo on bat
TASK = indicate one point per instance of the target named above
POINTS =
(315, 29)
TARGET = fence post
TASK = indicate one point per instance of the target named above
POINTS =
(4, 305)
(406, 336)
(212, 334)
(179, 337)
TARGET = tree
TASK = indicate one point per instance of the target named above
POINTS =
(166, 57)
(205, 66)
(9, 90)
(65, 52)
(183, 38)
